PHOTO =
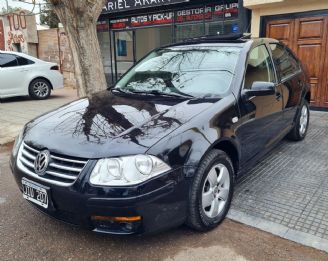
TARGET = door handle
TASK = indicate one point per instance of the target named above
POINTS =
(300, 83)
(278, 96)
(23, 70)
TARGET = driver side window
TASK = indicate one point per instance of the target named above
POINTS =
(259, 67)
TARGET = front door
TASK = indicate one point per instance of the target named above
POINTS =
(261, 116)
(307, 37)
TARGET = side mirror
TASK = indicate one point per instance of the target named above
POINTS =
(261, 89)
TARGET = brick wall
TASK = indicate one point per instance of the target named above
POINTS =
(54, 47)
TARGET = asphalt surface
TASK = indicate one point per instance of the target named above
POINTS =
(26, 234)
(16, 111)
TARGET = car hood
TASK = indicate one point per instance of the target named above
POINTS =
(109, 125)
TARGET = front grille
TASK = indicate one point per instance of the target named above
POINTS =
(62, 170)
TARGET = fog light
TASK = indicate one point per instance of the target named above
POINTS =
(128, 226)
(116, 219)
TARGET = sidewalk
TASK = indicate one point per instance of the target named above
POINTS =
(15, 112)
(286, 194)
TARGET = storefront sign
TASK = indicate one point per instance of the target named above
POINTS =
(212, 12)
(102, 26)
(125, 5)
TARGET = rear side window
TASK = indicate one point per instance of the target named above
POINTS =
(259, 67)
(23, 61)
(285, 62)
(8, 60)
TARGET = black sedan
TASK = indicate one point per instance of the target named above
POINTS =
(166, 144)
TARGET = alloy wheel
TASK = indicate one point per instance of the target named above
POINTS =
(40, 89)
(304, 120)
(216, 190)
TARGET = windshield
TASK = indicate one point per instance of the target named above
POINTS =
(191, 71)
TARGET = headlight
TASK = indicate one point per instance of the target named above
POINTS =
(125, 171)
(17, 143)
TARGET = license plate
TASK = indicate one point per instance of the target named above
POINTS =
(35, 193)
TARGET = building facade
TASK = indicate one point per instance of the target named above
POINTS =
(18, 33)
(54, 47)
(303, 26)
(129, 29)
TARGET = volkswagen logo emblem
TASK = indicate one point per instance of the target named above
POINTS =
(41, 162)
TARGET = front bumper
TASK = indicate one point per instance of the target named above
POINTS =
(161, 203)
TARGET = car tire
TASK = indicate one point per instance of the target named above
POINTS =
(211, 191)
(40, 89)
(301, 127)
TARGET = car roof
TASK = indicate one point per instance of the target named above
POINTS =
(224, 39)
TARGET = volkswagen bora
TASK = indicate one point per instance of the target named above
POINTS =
(165, 145)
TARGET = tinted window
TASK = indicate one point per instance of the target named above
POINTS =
(7, 60)
(259, 67)
(23, 61)
(284, 60)
(196, 71)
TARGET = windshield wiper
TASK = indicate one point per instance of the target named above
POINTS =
(158, 93)
(120, 90)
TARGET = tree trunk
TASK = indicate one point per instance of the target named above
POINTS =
(79, 18)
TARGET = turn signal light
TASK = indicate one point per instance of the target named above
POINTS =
(116, 219)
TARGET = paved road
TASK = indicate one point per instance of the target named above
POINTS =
(15, 112)
(26, 234)
(287, 192)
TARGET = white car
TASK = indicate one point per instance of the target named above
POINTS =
(22, 74)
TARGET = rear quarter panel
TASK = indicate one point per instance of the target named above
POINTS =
(43, 71)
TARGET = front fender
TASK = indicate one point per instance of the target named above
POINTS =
(188, 144)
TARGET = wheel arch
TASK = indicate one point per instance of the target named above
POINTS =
(43, 78)
(308, 96)
(230, 147)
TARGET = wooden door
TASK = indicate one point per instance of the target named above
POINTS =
(307, 37)
(2, 36)
(282, 30)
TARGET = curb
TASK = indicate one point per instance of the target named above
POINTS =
(279, 230)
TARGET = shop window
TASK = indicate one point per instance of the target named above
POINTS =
(214, 28)
(188, 31)
(121, 48)
(125, 56)
(147, 39)
(104, 43)
(231, 27)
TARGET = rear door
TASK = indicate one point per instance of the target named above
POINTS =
(261, 116)
(291, 81)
